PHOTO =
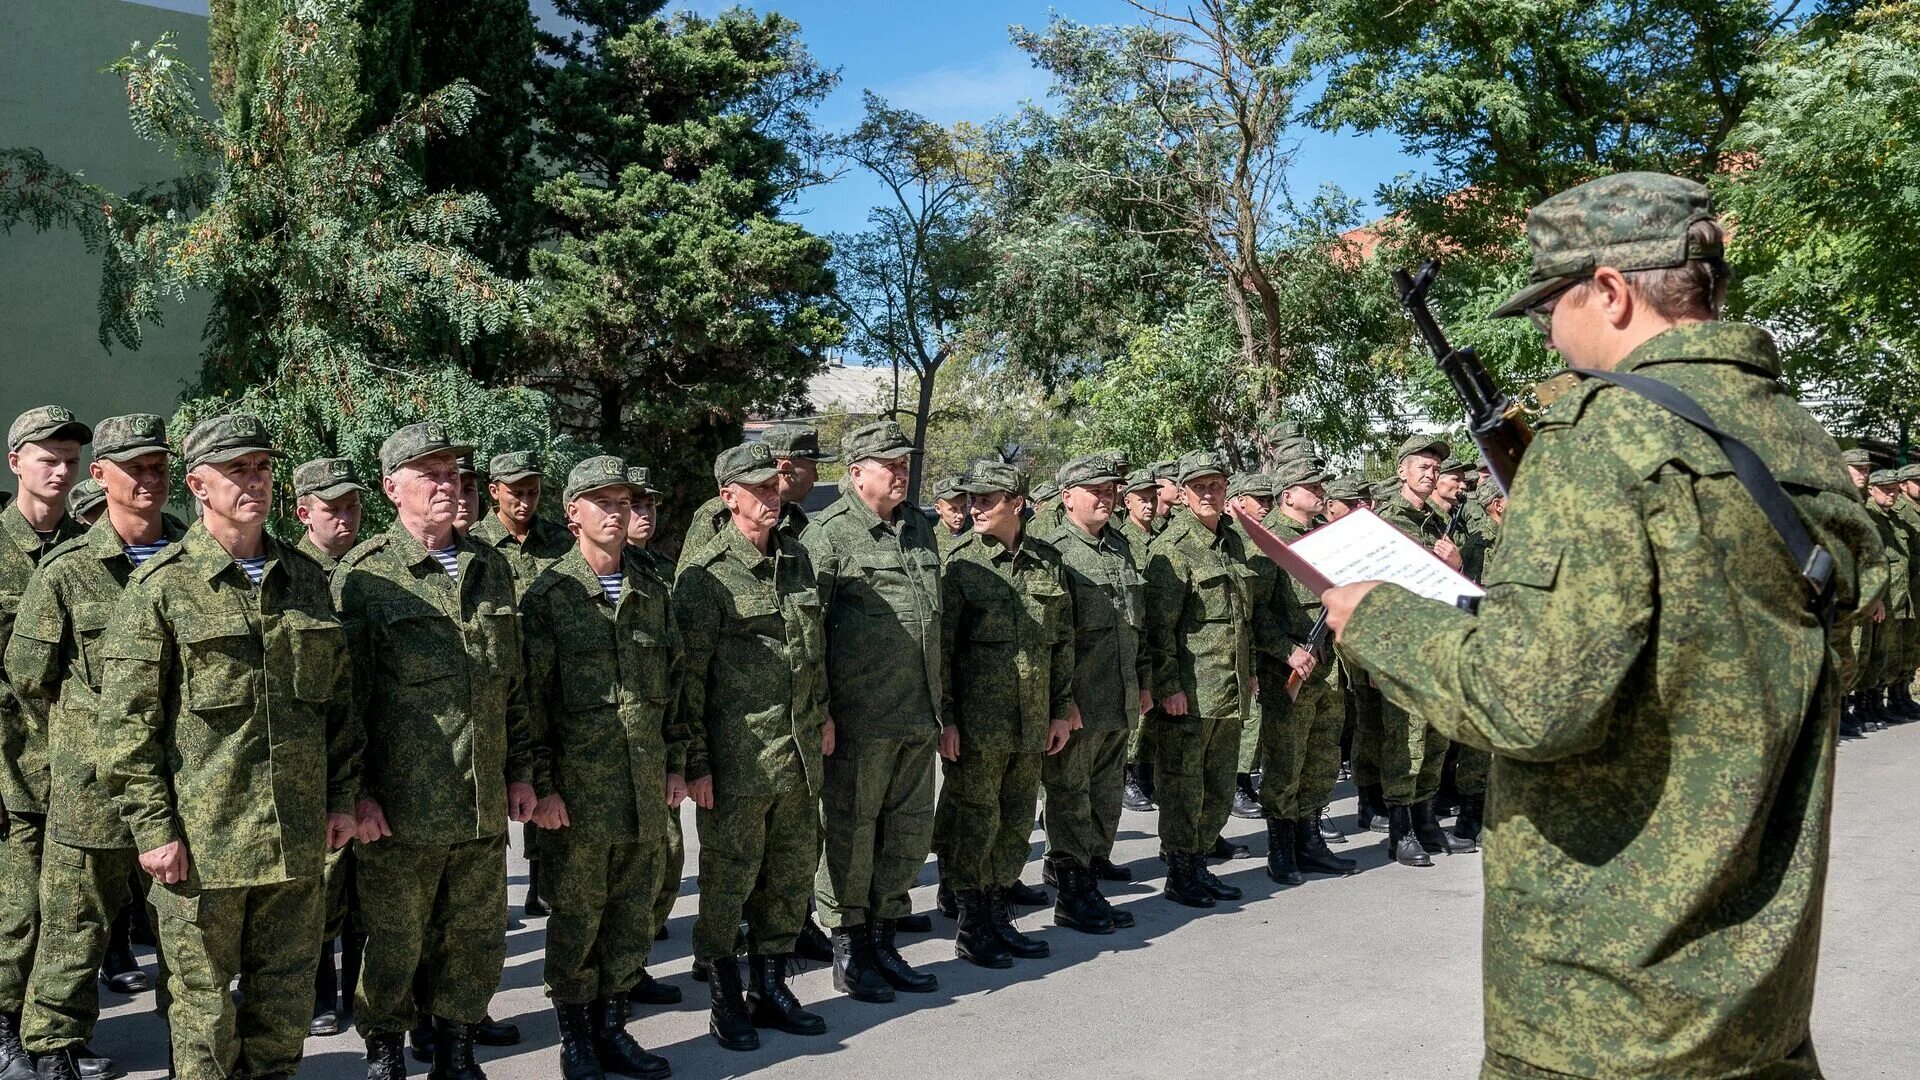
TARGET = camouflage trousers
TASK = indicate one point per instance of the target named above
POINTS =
(983, 829)
(673, 867)
(1196, 756)
(1412, 757)
(876, 819)
(343, 894)
(1301, 761)
(1365, 705)
(268, 937)
(441, 910)
(1140, 740)
(1253, 731)
(602, 895)
(1470, 768)
(22, 842)
(757, 856)
(81, 891)
(1083, 784)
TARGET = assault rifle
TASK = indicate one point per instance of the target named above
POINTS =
(1493, 419)
(1316, 639)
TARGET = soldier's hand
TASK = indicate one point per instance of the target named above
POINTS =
(1058, 732)
(1074, 722)
(676, 790)
(520, 802)
(340, 830)
(1447, 553)
(1879, 611)
(1302, 663)
(1174, 704)
(551, 812)
(372, 821)
(826, 738)
(701, 792)
(1340, 602)
(166, 864)
(950, 743)
(1146, 701)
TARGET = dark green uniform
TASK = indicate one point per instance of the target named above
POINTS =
(438, 684)
(673, 861)
(713, 519)
(234, 734)
(1140, 738)
(1887, 638)
(1300, 759)
(546, 541)
(1412, 752)
(1902, 658)
(754, 703)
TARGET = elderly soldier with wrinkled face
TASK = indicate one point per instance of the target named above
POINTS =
(797, 454)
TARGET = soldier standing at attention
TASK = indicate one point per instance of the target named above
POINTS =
(86, 501)
(1137, 527)
(439, 673)
(54, 666)
(951, 504)
(223, 659)
(1649, 669)
(601, 652)
(43, 450)
(1880, 669)
(1465, 523)
(879, 580)
(1900, 705)
(1200, 638)
(469, 511)
(754, 708)
(1252, 494)
(515, 528)
(1166, 489)
(796, 452)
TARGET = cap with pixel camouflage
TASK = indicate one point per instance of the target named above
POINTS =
(1116, 460)
(1165, 470)
(950, 487)
(123, 438)
(1139, 480)
(1045, 491)
(1884, 477)
(415, 441)
(593, 474)
(1347, 488)
(326, 478)
(1298, 473)
(1193, 466)
(881, 439)
(795, 441)
(1089, 471)
(85, 497)
(1385, 489)
(1423, 444)
(1258, 485)
(514, 465)
(640, 478)
(223, 438)
(44, 423)
(748, 464)
(1629, 221)
(1858, 455)
(1455, 465)
(1286, 431)
(1908, 472)
(988, 477)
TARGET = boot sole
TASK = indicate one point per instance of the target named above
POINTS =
(1086, 928)
(1031, 954)
(1286, 879)
(902, 988)
(741, 1045)
(1191, 901)
(1342, 871)
(994, 962)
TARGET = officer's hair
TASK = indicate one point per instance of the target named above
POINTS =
(1697, 288)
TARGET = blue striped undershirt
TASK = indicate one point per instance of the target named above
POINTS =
(610, 584)
(449, 559)
(140, 553)
(255, 568)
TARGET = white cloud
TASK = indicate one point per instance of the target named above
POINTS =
(977, 91)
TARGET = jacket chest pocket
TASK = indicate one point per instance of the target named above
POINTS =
(1045, 607)
(220, 660)
(899, 584)
(422, 648)
(1098, 605)
(806, 623)
(589, 672)
(89, 625)
(1220, 592)
(316, 645)
(650, 662)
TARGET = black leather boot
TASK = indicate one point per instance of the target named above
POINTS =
(812, 944)
(728, 1021)
(617, 1050)
(1401, 843)
(1874, 714)
(1183, 884)
(770, 1002)
(385, 1058)
(14, 1061)
(1310, 851)
(421, 1037)
(853, 972)
(918, 922)
(1225, 849)
(976, 941)
(1133, 796)
(59, 1065)
(651, 991)
(892, 966)
(1121, 919)
(118, 967)
(326, 994)
(1017, 943)
(1435, 839)
(1105, 869)
(1467, 825)
(1374, 812)
(1245, 803)
(1026, 895)
(1078, 906)
(577, 1059)
(535, 904)
(453, 1052)
(1280, 861)
(1850, 717)
(1329, 832)
(1216, 888)
(1902, 705)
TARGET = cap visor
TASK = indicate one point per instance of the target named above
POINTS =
(1095, 481)
(72, 429)
(518, 474)
(132, 452)
(458, 450)
(1185, 480)
(1519, 302)
(894, 454)
(810, 455)
(231, 453)
(754, 476)
(334, 491)
(984, 489)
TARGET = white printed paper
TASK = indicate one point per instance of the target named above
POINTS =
(1361, 547)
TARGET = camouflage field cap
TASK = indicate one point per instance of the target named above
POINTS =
(1138, 480)
(1884, 477)
(326, 478)
(1258, 485)
(1423, 444)
(990, 477)
(1385, 489)
(224, 438)
(514, 465)
(1165, 470)
(1286, 431)
(1909, 472)
(46, 422)
(415, 441)
(1858, 455)
(1116, 460)
(1629, 221)
(85, 497)
(123, 438)
(795, 441)
(1347, 488)
(1455, 465)
(749, 464)
(593, 474)
(467, 467)
(1089, 471)
(1193, 466)
(1045, 491)
(881, 439)
(1298, 473)
(950, 487)
(640, 478)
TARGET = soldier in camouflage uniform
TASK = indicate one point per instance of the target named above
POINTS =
(469, 511)
(1200, 639)
(796, 450)
(86, 501)
(1167, 497)
(1648, 671)
(1142, 494)
(950, 502)
(223, 659)
(1463, 781)
(879, 582)
(754, 709)
(439, 672)
(1879, 666)
(43, 450)
(601, 674)
(1900, 705)
(1251, 494)
(1083, 782)
(1361, 701)
(54, 668)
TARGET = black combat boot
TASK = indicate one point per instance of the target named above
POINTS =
(651, 991)
(1875, 714)
(421, 1037)
(1105, 869)
(1245, 803)
(1183, 883)
(14, 1062)
(1121, 919)
(1404, 846)
(1078, 906)
(535, 905)
(1026, 895)
(1903, 707)
(812, 944)
(729, 1022)
(118, 968)
(1216, 888)
(892, 966)
(1467, 825)
(58, 1065)
(91, 1065)
(1426, 827)
(770, 1002)
(917, 922)
(1280, 861)
(1225, 849)
(1329, 832)
(1133, 796)
(1374, 812)
(618, 1052)
(976, 941)
(853, 972)
(1017, 943)
(326, 994)
(1310, 852)
(577, 1059)
(385, 1058)
(1850, 717)
(453, 1052)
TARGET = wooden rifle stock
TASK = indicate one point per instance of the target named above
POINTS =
(1493, 419)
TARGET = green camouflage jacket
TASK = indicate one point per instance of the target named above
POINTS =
(546, 541)
(1138, 540)
(1200, 617)
(1419, 522)
(879, 582)
(1294, 607)
(1907, 516)
(1896, 541)
(1661, 707)
(713, 519)
(311, 550)
(54, 666)
(1007, 620)
(600, 686)
(23, 739)
(1109, 623)
(232, 712)
(755, 692)
(946, 540)
(656, 565)
(439, 685)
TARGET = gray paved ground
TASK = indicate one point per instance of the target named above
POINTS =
(1374, 976)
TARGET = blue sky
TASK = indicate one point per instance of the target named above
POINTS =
(952, 62)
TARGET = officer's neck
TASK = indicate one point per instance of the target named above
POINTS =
(45, 515)
(240, 540)
(132, 527)
(515, 529)
(1412, 497)
(601, 560)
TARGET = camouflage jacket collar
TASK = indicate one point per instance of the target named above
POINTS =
(198, 549)
(1102, 542)
(13, 524)
(734, 546)
(1398, 502)
(1182, 522)
(858, 509)
(311, 550)
(1727, 342)
(412, 553)
(105, 544)
(492, 530)
(574, 565)
(999, 552)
